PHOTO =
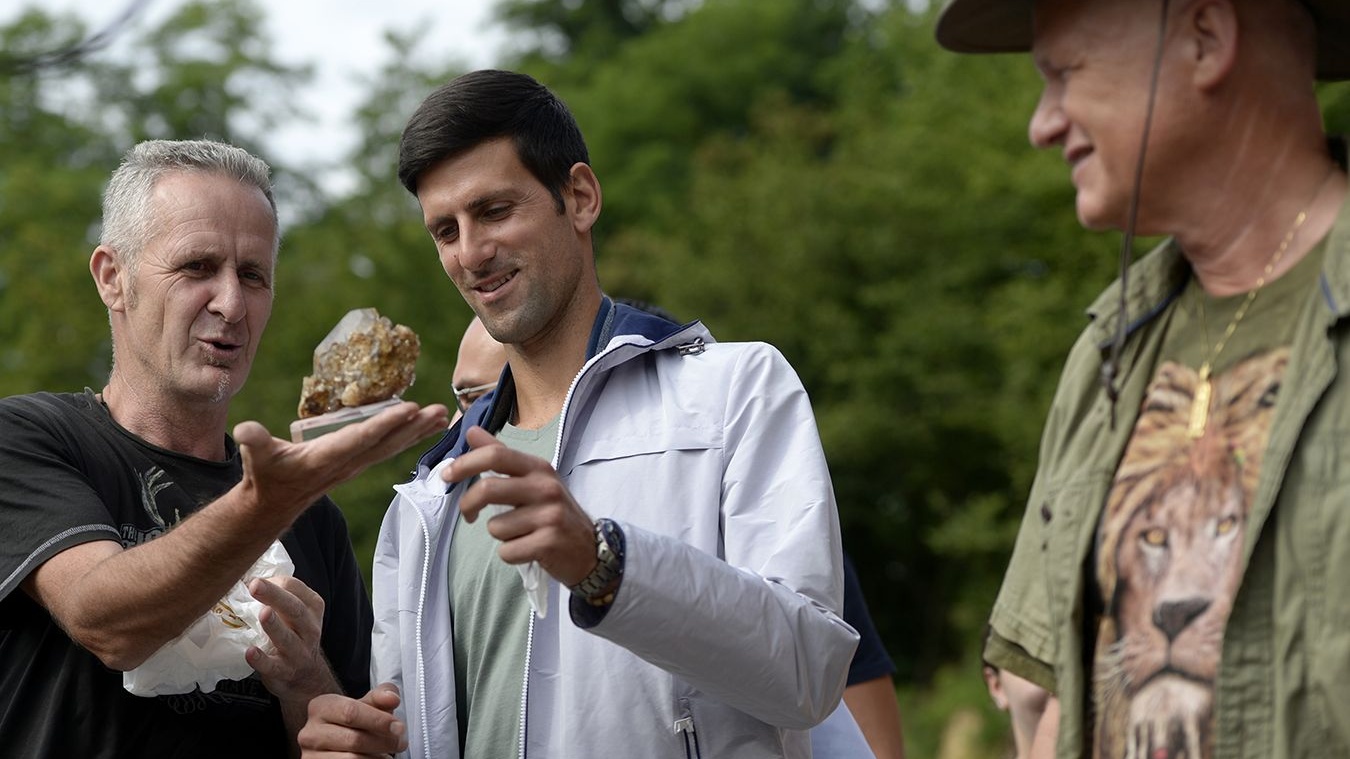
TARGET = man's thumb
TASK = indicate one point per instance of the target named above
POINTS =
(251, 433)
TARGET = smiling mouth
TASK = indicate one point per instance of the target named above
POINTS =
(495, 284)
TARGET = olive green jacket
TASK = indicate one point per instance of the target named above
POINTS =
(1283, 689)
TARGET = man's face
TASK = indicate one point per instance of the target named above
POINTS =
(190, 321)
(518, 262)
(1095, 57)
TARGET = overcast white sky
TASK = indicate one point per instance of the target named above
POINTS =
(342, 38)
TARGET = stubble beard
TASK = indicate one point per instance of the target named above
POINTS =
(223, 386)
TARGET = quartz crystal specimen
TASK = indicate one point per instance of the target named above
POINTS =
(365, 359)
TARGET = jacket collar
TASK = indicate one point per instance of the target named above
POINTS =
(493, 410)
(1156, 280)
(1335, 280)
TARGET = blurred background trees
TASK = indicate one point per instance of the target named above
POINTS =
(812, 173)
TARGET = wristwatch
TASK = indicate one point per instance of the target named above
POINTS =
(598, 587)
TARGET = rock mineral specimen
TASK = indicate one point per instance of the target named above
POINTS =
(365, 359)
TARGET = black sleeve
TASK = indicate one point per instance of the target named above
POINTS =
(870, 661)
(47, 502)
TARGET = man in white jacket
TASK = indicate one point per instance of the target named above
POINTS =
(672, 491)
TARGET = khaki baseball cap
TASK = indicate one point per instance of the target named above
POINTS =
(1004, 26)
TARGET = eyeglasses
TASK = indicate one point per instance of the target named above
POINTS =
(464, 397)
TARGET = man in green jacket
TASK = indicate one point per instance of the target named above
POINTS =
(1178, 581)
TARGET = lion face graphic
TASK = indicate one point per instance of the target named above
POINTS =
(1169, 558)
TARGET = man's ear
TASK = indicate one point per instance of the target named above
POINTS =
(1211, 31)
(584, 197)
(995, 687)
(106, 267)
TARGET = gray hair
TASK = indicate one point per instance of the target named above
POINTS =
(129, 215)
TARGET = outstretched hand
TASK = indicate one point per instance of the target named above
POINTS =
(290, 476)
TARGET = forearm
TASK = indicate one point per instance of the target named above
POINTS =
(295, 709)
(874, 708)
(123, 605)
(752, 643)
(1047, 732)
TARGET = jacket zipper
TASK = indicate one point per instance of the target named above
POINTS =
(421, 612)
(529, 634)
(417, 631)
(685, 726)
(686, 723)
(525, 683)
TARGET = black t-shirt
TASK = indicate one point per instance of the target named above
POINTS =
(68, 475)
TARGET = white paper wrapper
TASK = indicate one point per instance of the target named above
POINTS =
(531, 574)
(212, 648)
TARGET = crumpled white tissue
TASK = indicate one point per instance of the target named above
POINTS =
(531, 574)
(212, 648)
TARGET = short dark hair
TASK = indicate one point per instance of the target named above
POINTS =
(485, 105)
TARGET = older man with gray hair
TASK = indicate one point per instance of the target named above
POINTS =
(128, 512)
(1176, 582)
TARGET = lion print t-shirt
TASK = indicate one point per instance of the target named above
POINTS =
(1170, 541)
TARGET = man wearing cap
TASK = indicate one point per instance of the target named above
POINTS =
(1177, 583)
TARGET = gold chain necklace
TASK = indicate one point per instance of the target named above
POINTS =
(1203, 390)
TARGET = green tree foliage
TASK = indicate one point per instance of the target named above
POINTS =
(591, 28)
(51, 169)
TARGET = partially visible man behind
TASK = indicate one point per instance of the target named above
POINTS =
(129, 512)
(477, 367)
(1178, 580)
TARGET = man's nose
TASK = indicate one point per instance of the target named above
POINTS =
(228, 302)
(476, 247)
(1048, 123)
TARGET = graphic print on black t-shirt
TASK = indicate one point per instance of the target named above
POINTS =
(152, 482)
(1169, 555)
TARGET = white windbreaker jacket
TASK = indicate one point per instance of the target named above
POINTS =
(725, 638)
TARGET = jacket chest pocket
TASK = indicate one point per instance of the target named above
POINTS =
(639, 476)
